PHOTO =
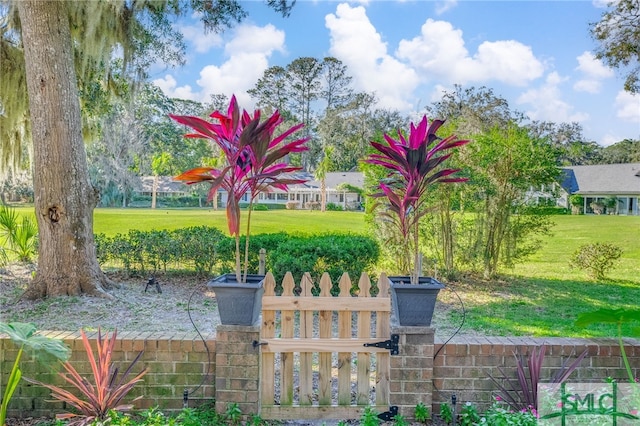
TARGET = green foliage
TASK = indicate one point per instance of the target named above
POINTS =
(332, 253)
(233, 414)
(333, 207)
(446, 413)
(422, 413)
(108, 389)
(576, 200)
(208, 251)
(369, 417)
(617, 33)
(19, 235)
(469, 415)
(596, 259)
(23, 335)
(204, 415)
(400, 420)
(500, 415)
(152, 251)
(613, 316)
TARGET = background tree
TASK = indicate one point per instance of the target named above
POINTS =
(113, 157)
(336, 88)
(307, 90)
(64, 196)
(504, 164)
(270, 91)
(618, 35)
(320, 174)
(161, 166)
(626, 151)
(568, 139)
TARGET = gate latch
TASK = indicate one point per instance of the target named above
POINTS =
(391, 344)
(388, 416)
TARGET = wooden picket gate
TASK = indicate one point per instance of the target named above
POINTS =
(308, 367)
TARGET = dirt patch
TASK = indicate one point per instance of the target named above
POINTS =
(184, 302)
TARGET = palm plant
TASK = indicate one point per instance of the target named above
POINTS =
(19, 235)
(414, 165)
(254, 162)
(23, 335)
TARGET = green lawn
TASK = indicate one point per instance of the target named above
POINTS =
(541, 297)
(111, 221)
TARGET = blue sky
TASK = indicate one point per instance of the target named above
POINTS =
(536, 54)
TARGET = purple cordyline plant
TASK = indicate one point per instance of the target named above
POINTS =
(414, 166)
(254, 162)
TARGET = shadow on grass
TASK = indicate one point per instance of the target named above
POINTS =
(517, 306)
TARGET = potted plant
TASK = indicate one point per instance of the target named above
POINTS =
(414, 165)
(254, 162)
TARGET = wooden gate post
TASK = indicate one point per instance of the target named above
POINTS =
(237, 372)
(412, 369)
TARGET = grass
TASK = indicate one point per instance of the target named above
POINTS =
(541, 297)
(119, 221)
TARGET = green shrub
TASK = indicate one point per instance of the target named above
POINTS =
(333, 207)
(198, 247)
(208, 251)
(332, 253)
(596, 259)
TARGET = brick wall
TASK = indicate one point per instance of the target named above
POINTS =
(463, 365)
(180, 360)
(176, 361)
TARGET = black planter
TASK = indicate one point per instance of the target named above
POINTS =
(238, 303)
(413, 304)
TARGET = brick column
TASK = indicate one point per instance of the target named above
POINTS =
(412, 369)
(237, 372)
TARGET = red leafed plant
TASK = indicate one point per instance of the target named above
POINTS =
(254, 161)
(414, 166)
(107, 391)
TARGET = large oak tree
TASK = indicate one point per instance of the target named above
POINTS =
(43, 39)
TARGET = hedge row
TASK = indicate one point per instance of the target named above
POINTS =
(207, 251)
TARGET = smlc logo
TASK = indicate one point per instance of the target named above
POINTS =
(589, 404)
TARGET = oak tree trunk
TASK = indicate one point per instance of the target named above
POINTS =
(63, 195)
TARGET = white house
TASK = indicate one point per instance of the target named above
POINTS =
(597, 183)
(342, 188)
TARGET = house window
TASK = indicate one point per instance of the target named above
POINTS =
(283, 196)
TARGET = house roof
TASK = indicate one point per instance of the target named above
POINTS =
(333, 179)
(606, 179)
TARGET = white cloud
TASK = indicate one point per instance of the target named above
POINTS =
(609, 139)
(628, 107)
(439, 52)
(248, 54)
(169, 86)
(593, 71)
(545, 102)
(601, 4)
(202, 42)
(443, 6)
(355, 41)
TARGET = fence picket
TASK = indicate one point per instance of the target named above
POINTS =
(364, 331)
(306, 358)
(267, 381)
(383, 332)
(307, 332)
(344, 358)
(324, 369)
(286, 319)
